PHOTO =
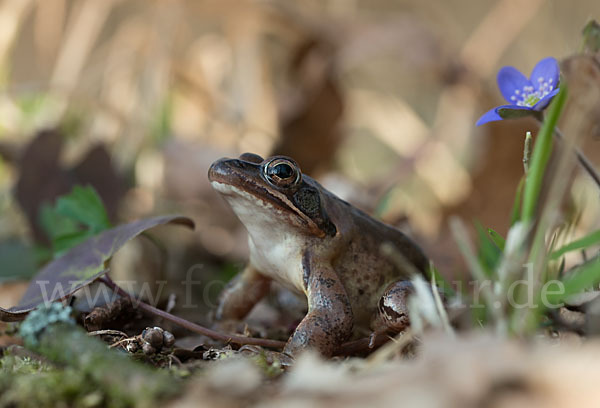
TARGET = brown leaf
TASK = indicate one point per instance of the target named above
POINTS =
(42, 178)
(82, 265)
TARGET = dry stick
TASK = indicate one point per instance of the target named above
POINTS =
(583, 160)
(363, 345)
(196, 328)
(349, 348)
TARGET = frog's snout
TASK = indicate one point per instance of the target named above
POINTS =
(218, 170)
(233, 171)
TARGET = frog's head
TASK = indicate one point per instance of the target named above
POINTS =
(266, 193)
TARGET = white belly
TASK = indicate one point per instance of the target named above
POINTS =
(275, 245)
(279, 259)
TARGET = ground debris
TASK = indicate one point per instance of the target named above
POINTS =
(466, 372)
(100, 317)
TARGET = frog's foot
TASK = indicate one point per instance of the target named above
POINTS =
(329, 320)
(321, 332)
(392, 314)
(241, 294)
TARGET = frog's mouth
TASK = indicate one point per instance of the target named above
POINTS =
(241, 180)
(233, 177)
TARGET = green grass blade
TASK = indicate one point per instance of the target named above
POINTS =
(584, 277)
(582, 243)
(442, 283)
(488, 252)
(497, 239)
(515, 215)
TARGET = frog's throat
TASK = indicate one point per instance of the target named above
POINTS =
(268, 198)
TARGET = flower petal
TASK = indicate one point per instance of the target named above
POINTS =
(489, 116)
(509, 80)
(547, 69)
(542, 103)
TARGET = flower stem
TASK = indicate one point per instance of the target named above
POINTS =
(541, 154)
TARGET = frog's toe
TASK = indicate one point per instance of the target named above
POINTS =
(393, 306)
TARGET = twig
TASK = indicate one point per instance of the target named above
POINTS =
(581, 157)
(348, 348)
(119, 343)
(107, 333)
(583, 160)
(385, 353)
(439, 304)
(196, 328)
(363, 345)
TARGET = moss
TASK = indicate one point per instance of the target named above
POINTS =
(271, 368)
(25, 382)
(82, 371)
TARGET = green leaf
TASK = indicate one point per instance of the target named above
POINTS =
(83, 204)
(440, 281)
(591, 36)
(541, 155)
(582, 243)
(515, 215)
(74, 218)
(54, 224)
(582, 278)
(67, 241)
(489, 253)
(497, 239)
(82, 265)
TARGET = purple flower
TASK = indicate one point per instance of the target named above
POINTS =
(525, 96)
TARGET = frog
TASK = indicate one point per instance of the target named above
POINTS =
(317, 245)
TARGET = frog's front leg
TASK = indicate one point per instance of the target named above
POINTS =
(329, 320)
(242, 293)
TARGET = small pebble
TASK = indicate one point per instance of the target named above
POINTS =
(154, 336)
(148, 349)
(168, 339)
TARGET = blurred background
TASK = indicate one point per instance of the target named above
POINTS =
(376, 99)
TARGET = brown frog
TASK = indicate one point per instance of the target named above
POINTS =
(312, 242)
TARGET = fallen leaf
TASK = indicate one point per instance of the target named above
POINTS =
(81, 265)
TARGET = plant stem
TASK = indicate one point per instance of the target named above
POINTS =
(541, 154)
(527, 152)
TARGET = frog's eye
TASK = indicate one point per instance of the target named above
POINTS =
(282, 172)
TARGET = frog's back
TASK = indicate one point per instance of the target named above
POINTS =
(400, 241)
(363, 269)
